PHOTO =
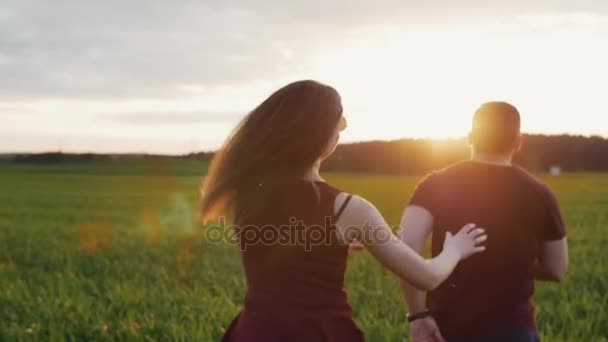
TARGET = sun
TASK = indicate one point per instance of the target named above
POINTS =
(395, 84)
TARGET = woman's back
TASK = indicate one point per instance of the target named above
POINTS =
(294, 265)
(290, 251)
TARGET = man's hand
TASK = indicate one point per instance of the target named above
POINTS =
(425, 330)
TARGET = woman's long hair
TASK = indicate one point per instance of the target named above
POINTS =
(274, 145)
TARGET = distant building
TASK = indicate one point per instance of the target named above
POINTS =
(555, 170)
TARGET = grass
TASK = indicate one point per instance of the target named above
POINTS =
(91, 252)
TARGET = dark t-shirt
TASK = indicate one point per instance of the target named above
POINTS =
(492, 290)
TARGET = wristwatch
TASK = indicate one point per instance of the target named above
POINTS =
(420, 315)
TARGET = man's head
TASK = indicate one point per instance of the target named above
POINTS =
(496, 129)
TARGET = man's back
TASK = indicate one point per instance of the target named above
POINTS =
(492, 290)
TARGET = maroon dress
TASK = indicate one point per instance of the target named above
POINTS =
(295, 267)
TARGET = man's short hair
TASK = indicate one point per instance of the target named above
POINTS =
(496, 128)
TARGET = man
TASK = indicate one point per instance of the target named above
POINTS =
(489, 296)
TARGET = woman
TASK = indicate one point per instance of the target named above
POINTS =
(295, 229)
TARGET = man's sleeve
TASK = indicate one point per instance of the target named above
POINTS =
(553, 227)
(424, 195)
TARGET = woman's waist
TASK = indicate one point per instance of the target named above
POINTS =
(329, 302)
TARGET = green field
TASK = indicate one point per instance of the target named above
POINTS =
(97, 252)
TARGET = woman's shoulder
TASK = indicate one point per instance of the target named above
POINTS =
(350, 204)
(354, 207)
(326, 185)
(320, 187)
(356, 217)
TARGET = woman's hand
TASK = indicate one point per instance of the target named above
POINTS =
(467, 241)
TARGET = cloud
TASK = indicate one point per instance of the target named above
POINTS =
(118, 49)
(170, 118)
(14, 111)
(140, 48)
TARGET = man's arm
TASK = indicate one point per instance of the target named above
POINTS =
(416, 226)
(552, 264)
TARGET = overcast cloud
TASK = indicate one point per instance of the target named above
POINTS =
(132, 62)
(137, 48)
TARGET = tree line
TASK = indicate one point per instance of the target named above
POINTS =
(418, 156)
(405, 156)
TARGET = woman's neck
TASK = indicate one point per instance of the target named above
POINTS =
(313, 174)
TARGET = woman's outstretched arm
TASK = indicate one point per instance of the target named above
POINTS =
(363, 222)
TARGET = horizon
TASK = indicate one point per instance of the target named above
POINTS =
(445, 140)
(118, 77)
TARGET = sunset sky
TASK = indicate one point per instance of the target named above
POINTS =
(174, 76)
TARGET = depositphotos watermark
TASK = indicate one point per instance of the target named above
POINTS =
(296, 233)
